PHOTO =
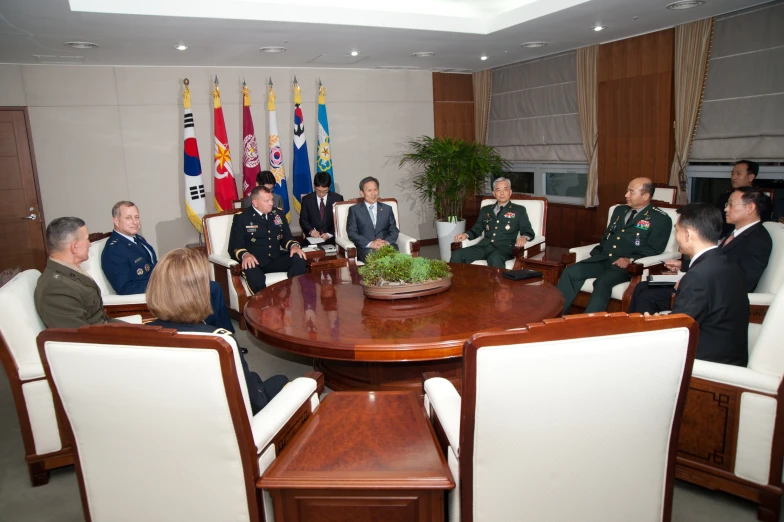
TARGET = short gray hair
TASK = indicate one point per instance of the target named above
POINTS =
(117, 206)
(502, 180)
(62, 232)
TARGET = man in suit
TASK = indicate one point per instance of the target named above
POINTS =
(257, 236)
(748, 245)
(744, 172)
(713, 291)
(66, 296)
(128, 260)
(505, 226)
(265, 178)
(315, 219)
(637, 229)
(371, 224)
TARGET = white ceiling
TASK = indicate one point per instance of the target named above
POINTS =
(230, 32)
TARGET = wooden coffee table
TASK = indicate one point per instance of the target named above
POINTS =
(367, 344)
(550, 263)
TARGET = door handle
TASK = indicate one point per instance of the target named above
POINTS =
(30, 217)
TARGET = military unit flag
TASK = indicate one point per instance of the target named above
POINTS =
(225, 186)
(300, 166)
(195, 198)
(250, 154)
(324, 155)
(276, 156)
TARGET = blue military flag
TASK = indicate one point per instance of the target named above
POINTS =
(324, 154)
(300, 166)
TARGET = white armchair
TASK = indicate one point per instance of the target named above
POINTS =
(114, 305)
(622, 294)
(536, 208)
(406, 243)
(664, 193)
(224, 269)
(46, 444)
(732, 435)
(572, 419)
(163, 425)
(772, 278)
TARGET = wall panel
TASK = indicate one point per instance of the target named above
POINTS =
(453, 106)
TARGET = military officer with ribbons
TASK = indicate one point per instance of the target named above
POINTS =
(505, 225)
(636, 230)
(257, 236)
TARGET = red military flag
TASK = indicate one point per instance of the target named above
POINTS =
(250, 155)
(225, 186)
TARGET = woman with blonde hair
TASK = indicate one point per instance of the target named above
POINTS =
(178, 294)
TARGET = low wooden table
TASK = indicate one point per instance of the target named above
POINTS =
(317, 260)
(550, 263)
(362, 456)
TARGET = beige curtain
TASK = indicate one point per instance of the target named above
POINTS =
(483, 86)
(587, 101)
(692, 48)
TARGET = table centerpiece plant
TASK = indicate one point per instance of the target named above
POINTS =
(388, 274)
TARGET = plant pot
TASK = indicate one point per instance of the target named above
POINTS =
(446, 233)
(406, 291)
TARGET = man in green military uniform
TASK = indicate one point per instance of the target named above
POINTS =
(637, 229)
(501, 224)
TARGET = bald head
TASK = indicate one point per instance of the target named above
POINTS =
(639, 193)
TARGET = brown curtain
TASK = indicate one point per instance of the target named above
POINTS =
(587, 100)
(483, 86)
(692, 48)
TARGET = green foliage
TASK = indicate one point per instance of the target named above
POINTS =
(453, 170)
(387, 265)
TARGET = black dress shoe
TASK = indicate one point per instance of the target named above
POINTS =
(244, 351)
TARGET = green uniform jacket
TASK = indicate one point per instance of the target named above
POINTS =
(65, 298)
(646, 235)
(502, 231)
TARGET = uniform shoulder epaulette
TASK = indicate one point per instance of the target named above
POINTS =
(660, 211)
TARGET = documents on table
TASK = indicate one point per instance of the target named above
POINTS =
(315, 240)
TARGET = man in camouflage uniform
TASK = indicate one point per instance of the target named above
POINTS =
(637, 229)
(501, 224)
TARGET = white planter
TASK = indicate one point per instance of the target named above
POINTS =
(446, 233)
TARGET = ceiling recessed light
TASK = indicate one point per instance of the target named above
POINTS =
(181, 47)
(598, 28)
(533, 45)
(272, 49)
(81, 45)
(423, 54)
(354, 53)
(685, 4)
(483, 58)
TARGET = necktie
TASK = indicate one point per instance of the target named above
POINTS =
(373, 215)
(322, 210)
(631, 216)
(727, 241)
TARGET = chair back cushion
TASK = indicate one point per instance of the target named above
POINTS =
(536, 208)
(773, 276)
(551, 423)
(665, 194)
(767, 355)
(340, 213)
(218, 229)
(93, 267)
(158, 425)
(20, 324)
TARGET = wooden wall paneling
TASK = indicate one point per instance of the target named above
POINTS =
(453, 106)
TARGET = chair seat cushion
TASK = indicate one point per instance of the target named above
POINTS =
(617, 291)
(115, 299)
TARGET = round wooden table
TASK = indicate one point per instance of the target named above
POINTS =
(367, 344)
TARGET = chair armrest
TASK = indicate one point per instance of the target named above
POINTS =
(761, 299)
(738, 376)
(582, 252)
(269, 421)
(131, 319)
(114, 299)
(222, 260)
(445, 402)
(653, 260)
(406, 243)
(344, 242)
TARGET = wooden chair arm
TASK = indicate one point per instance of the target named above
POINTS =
(569, 258)
(236, 270)
(456, 245)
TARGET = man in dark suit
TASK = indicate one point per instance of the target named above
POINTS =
(744, 172)
(637, 229)
(713, 291)
(315, 219)
(265, 178)
(257, 236)
(749, 245)
(371, 224)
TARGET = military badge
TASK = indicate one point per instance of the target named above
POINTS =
(280, 236)
(509, 215)
(278, 221)
(253, 240)
(137, 260)
(147, 268)
(508, 227)
(637, 240)
(487, 227)
(643, 224)
(140, 271)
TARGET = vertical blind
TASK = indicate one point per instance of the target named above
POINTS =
(743, 106)
(533, 111)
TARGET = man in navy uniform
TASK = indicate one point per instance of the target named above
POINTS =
(257, 236)
(637, 229)
(128, 260)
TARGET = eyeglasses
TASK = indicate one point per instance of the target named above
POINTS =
(728, 204)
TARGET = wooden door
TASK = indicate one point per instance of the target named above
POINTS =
(21, 225)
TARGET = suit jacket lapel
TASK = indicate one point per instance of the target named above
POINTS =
(737, 241)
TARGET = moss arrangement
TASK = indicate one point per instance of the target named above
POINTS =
(387, 266)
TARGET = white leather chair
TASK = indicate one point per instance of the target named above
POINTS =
(732, 436)
(224, 269)
(772, 278)
(536, 208)
(162, 425)
(664, 193)
(622, 294)
(46, 444)
(571, 419)
(406, 243)
(114, 305)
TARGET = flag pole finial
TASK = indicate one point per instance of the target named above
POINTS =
(319, 82)
(243, 81)
(270, 81)
(216, 79)
(295, 79)
(186, 82)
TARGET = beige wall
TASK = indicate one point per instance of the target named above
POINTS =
(102, 134)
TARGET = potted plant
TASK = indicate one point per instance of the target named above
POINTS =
(452, 170)
(388, 274)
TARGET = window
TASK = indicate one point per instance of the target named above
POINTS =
(707, 181)
(522, 182)
(559, 183)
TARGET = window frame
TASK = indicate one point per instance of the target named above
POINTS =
(540, 171)
(722, 170)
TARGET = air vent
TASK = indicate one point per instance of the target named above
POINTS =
(453, 70)
(424, 54)
(336, 59)
(48, 58)
(398, 67)
(685, 4)
(273, 49)
(533, 45)
(81, 45)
